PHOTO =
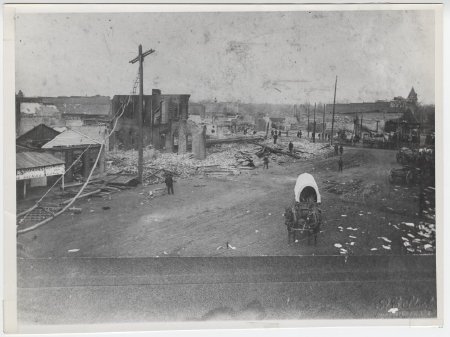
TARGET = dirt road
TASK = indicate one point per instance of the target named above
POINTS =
(245, 211)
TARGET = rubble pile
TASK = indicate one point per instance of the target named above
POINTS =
(348, 187)
(418, 238)
(302, 147)
(222, 159)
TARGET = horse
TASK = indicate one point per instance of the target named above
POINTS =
(296, 220)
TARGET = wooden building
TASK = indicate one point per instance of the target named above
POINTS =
(71, 144)
(37, 136)
(33, 169)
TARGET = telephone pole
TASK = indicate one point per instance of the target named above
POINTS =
(307, 128)
(314, 127)
(334, 106)
(140, 59)
(323, 121)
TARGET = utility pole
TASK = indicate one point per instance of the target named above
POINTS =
(334, 106)
(323, 121)
(314, 130)
(360, 128)
(307, 128)
(377, 125)
(140, 59)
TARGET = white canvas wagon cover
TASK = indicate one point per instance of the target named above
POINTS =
(305, 180)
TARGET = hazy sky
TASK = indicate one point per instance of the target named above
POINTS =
(272, 57)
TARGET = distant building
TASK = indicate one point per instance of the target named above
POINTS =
(197, 109)
(61, 111)
(396, 105)
(164, 121)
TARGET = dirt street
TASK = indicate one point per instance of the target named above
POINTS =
(245, 211)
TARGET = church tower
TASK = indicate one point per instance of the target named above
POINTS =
(412, 97)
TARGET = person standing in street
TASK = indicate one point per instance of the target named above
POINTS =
(169, 183)
(291, 147)
(336, 149)
(341, 149)
(265, 163)
(340, 164)
(275, 136)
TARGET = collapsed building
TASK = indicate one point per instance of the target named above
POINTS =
(164, 121)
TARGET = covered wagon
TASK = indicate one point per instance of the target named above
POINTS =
(304, 217)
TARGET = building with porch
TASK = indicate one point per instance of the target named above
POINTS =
(33, 169)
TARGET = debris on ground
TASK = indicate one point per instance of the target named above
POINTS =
(222, 160)
(418, 238)
(393, 310)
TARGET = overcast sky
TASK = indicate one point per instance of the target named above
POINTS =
(265, 57)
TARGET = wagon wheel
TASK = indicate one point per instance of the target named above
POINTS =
(409, 178)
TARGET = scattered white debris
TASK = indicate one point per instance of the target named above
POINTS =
(411, 236)
(428, 247)
(369, 213)
(352, 229)
(270, 213)
(296, 241)
(256, 231)
(409, 224)
(373, 249)
(385, 239)
(386, 247)
(393, 310)
(165, 253)
(220, 247)
(73, 250)
(230, 246)
(338, 245)
(343, 215)
(352, 243)
(352, 237)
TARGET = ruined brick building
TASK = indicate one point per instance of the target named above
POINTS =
(164, 121)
